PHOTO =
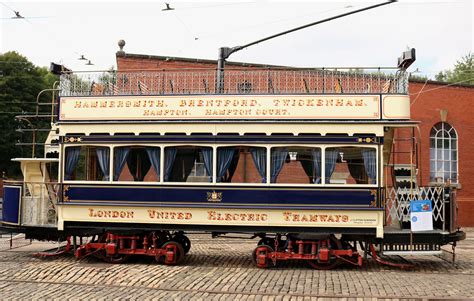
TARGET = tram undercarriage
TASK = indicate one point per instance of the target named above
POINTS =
(321, 250)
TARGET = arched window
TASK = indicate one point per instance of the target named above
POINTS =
(443, 153)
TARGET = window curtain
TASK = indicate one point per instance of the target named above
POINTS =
(370, 164)
(207, 157)
(311, 163)
(224, 160)
(331, 158)
(120, 157)
(357, 170)
(103, 157)
(183, 164)
(72, 157)
(232, 168)
(170, 156)
(316, 157)
(259, 156)
(279, 155)
(138, 163)
(154, 156)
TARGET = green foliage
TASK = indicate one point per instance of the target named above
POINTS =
(417, 78)
(463, 71)
(20, 83)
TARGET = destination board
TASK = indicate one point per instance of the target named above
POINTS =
(224, 107)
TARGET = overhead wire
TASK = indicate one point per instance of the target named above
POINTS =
(272, 22)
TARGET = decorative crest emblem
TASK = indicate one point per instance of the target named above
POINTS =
(214, 196)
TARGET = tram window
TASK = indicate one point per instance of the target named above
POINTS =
(87, 163)
(137, 163)
(241, 164)
(350, 165)
(188, 164)
(299, 165)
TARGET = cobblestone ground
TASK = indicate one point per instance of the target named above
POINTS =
(221, 269)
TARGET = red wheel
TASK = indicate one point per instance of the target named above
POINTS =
(117, 258)
(174, 253)
(334, 244)
(260, 256)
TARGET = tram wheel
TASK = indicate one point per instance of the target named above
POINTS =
(120, 258)
(335, 244)
(178, 253)
(261, 250)
(184, 241)
(324, 265)
(117, 258)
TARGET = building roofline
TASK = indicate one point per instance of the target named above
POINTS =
(242, 64)
(195, 60)
(235, 64)
(435, 82)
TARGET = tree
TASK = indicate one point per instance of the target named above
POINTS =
(417, 77)
(463, 71)
(20, 83)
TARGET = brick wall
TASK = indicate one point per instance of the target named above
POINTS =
(458, 102)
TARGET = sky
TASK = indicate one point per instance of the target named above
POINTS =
(442, 31)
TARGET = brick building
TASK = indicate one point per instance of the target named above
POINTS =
(446, 126)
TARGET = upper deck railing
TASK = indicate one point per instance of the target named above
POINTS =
(262, 81)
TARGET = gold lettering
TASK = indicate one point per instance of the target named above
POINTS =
(296, 217)
(211, 215)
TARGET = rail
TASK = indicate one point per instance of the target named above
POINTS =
(268, 81)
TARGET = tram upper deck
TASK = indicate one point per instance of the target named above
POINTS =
(307, 97)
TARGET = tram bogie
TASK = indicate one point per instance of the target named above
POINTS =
(112, 247)
(325, 253)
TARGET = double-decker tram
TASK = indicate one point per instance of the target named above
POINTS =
(320, 164)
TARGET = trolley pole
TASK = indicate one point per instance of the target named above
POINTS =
(225, 52)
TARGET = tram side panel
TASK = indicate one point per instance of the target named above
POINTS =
(223, 208)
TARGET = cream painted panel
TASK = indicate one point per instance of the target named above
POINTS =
(225, 217)
(218, 107)
(216, 128)
(395, 107)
